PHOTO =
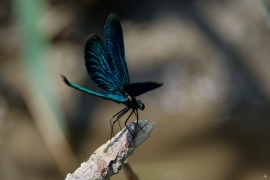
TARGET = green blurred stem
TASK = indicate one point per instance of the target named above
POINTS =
(266, 10)
(37, 90)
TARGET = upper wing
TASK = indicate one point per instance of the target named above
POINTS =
(98, 68)
(136, 89)
(115, 48)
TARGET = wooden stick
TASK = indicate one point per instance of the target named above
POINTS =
(109, 158)
(130, 174)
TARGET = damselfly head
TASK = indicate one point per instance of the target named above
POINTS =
(141, 105)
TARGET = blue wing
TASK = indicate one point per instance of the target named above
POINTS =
(136, 89)
(98, 68)
(106, 65)
(115, 48)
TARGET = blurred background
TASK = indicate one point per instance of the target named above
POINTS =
(212, 114)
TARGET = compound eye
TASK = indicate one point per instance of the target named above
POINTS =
(141, 106)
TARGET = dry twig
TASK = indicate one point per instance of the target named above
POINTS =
(109, 158)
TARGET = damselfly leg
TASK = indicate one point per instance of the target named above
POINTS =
(137, 117)
(126, 123)
(118, 116)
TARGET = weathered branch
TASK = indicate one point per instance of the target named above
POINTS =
(109, 158)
